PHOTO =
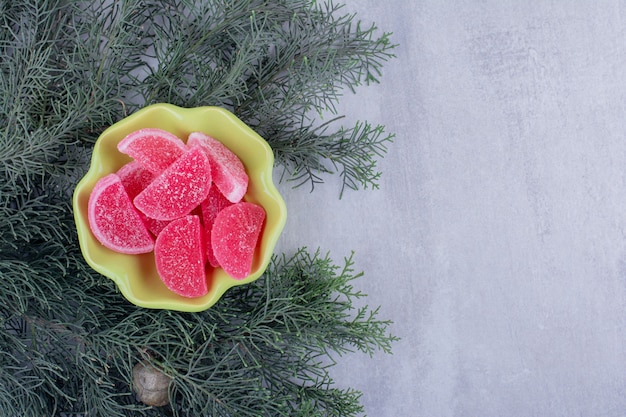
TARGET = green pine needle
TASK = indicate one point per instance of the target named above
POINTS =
(69, 69)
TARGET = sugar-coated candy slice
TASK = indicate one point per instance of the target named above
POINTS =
(227, 170)
(179, 257)
(234, 237)
(178, 189)
(155, 149)
(113, 219)
(155, 226)
(135, 178)
(214, 203)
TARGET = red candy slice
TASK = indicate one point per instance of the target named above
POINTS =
(135, 178)
(155, 226)
(179, 189)
(234, 237)
(113, 219)
(227, 170)
(214, 203)
(154, 149)
(179, 257)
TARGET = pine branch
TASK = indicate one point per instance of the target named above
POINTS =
(70, 69)
(275, 64)
(311, 151)
(265, 349)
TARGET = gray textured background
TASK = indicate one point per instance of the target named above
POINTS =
(496, 243)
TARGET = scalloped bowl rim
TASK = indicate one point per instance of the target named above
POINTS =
(135, 275)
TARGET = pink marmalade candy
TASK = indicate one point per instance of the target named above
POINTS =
(178, 189)
(214, 203)
(135, 178)
(154, 149)
(234, 237)
(179, 257)
(227, 170)
(113, 219)
(155, 226)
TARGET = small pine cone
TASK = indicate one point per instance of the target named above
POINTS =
(151, 385)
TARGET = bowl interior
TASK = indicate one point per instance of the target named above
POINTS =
(136, 275)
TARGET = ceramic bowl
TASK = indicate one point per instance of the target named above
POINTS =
(136, 275)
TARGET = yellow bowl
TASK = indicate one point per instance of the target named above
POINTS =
(136, 275)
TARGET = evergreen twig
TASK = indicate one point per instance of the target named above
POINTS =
(68, 70)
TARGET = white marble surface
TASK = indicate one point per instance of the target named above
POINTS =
(496, 243)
